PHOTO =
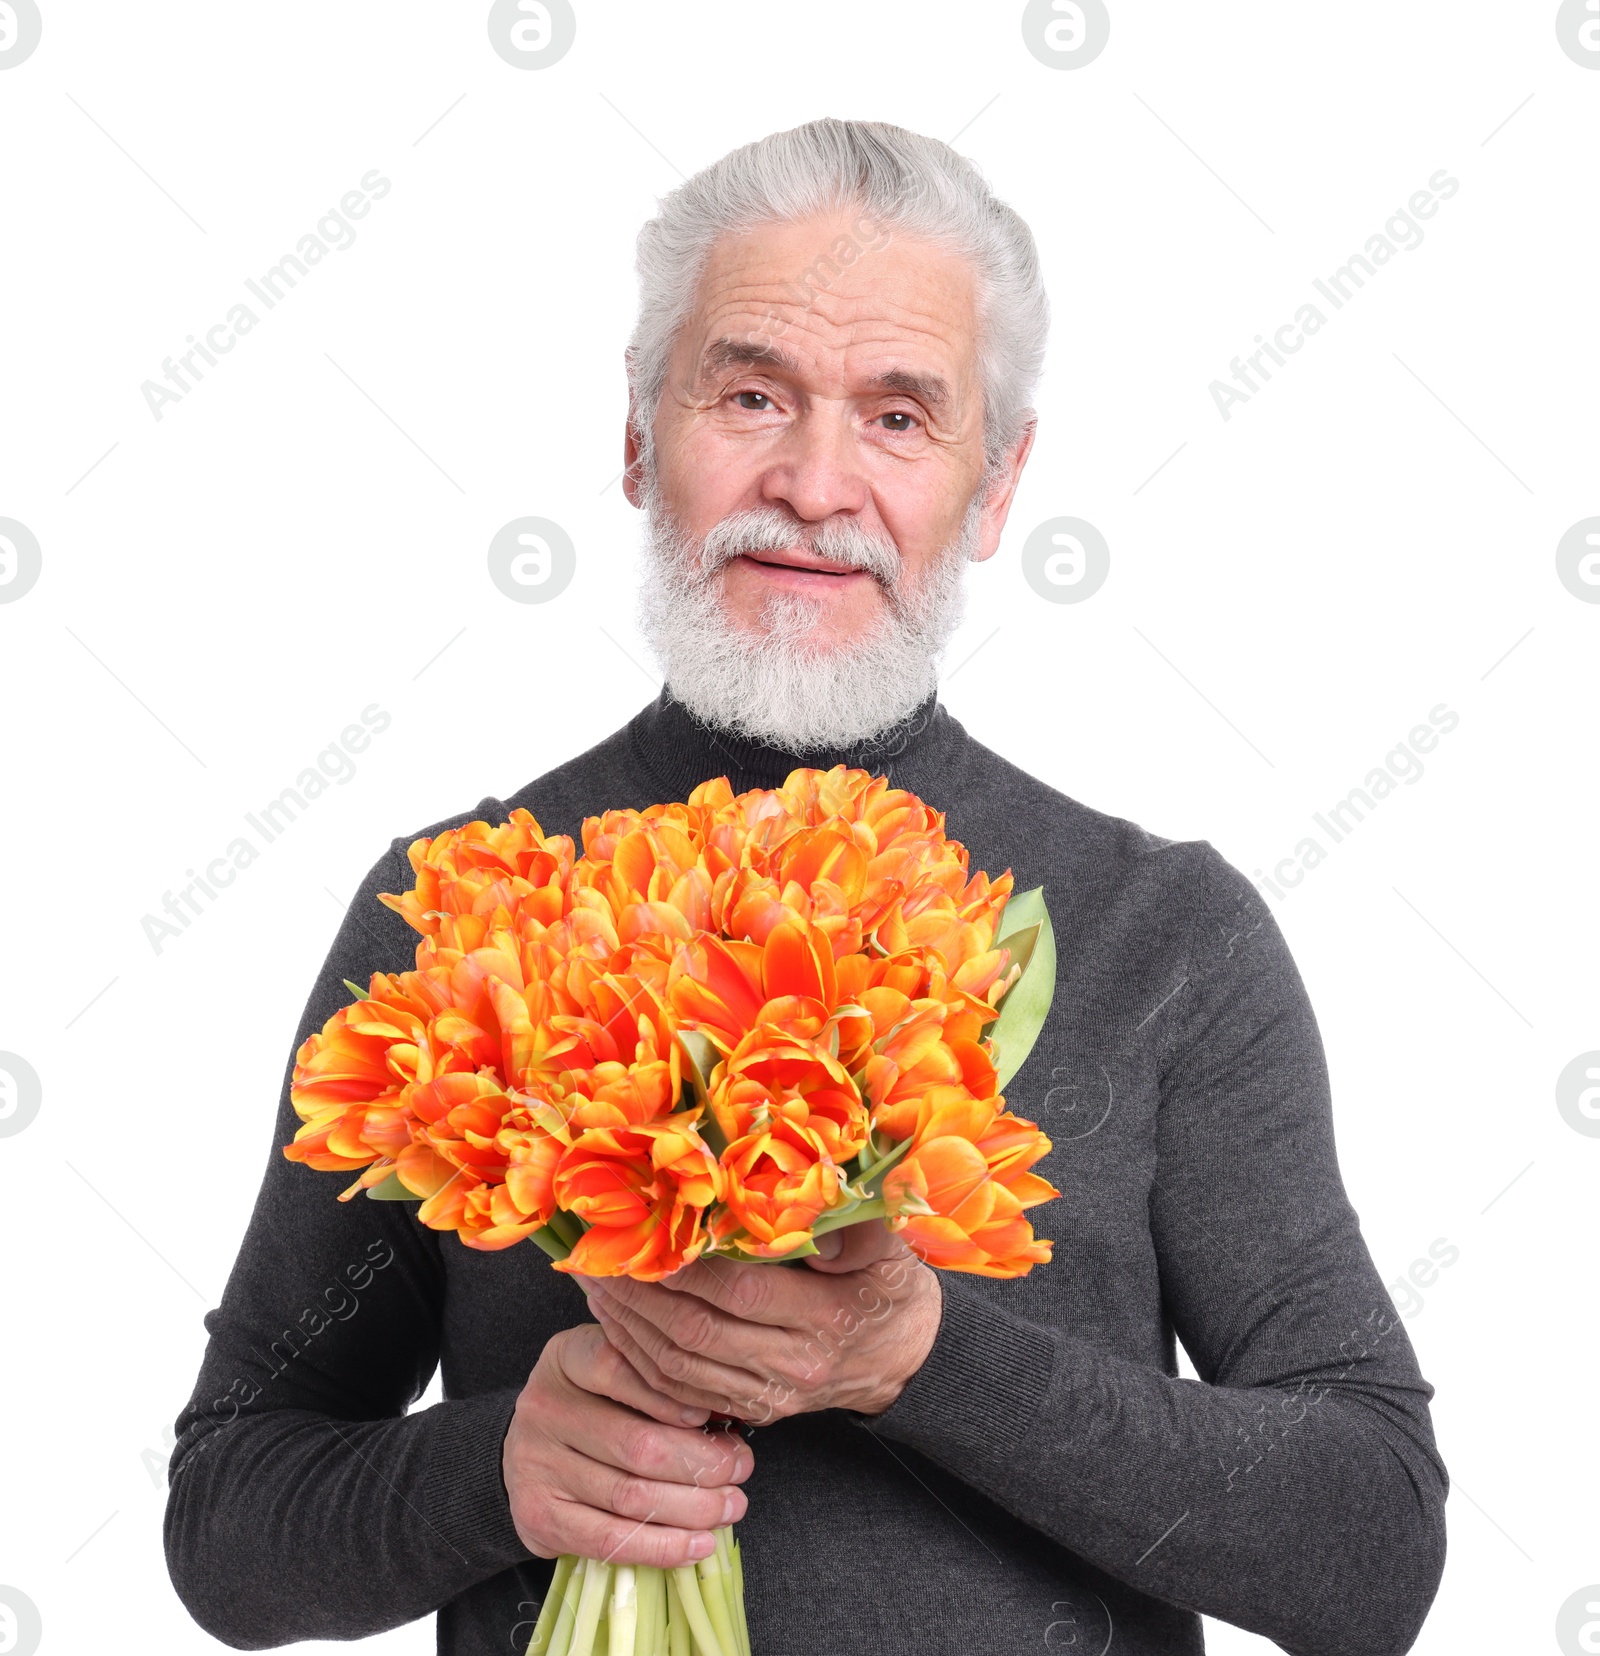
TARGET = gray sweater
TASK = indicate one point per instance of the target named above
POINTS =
(1045, 1481)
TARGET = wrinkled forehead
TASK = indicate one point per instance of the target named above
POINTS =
(840, 303)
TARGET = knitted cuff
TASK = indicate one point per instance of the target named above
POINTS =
(980, 1388)
(465, 1498)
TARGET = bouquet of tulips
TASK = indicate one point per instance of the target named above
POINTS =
(731, 1025)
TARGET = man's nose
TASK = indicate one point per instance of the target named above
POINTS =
(815, 470)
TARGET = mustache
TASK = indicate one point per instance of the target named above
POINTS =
(766, 529)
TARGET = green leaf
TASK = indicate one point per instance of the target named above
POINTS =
(556, 1246)
(1022, 944)
(1027, 1003)
(872, 1174)
(391, 1190)
(565, 1227)
(702, 1058)
(356, 990)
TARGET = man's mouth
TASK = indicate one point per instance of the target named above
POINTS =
(800, 565)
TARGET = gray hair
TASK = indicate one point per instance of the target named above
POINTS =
(900, 181)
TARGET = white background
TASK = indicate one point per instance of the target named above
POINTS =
(305, 532)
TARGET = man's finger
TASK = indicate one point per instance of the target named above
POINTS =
(689, 1396)
(641, 1360)
(592, 1533)
(697, 1327)
(773, 1401)
(680, 1367)
(687, 1506)
(589, 1360)
(859, 1246)
(644, 1448)
(752, 1293)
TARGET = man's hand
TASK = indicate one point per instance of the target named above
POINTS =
(763, 1341)
(599, 1463)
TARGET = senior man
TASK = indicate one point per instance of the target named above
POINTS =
(839, 335)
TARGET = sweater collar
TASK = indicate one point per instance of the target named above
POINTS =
(680, 751)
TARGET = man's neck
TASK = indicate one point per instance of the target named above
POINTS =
(682, 751)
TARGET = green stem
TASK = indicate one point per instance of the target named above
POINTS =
(556, 1246)
(647, 1634)
(738, 1594)
(623, 1612)
(714, 1595)
(596, 1579)
(662, 1632)
(718, 1585)
(867, 1173)
(875, 1209)
(551, 1608)
(561, 1639)
(694, 1611)
(731, 1587)
(677, 1622)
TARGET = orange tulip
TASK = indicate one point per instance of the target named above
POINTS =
(362, 1058)
(780, 1180)
(531, 1158)
(715, 986)
(958, 1195)
(919, 1061)
(459, 1119)
(773, 1073)
(726, 988)
(643, 1192)
(495, 1215)
(490, 1219)
(476, 869)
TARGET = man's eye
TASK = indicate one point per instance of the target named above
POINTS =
(758, 401)
(899, 414)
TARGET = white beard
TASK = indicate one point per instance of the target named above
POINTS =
(778, 683)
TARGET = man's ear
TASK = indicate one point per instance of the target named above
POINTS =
(632, 444)
(1002, 489)
(632, 471)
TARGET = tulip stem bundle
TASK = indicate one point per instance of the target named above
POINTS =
(599, 1609)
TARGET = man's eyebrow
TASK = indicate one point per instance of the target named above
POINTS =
(743, 353)
(740, 353)
(929, 387)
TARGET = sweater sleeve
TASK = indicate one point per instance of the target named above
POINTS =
(303, 1501)
(1294, 1490)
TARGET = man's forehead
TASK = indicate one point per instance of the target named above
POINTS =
(899, 310)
